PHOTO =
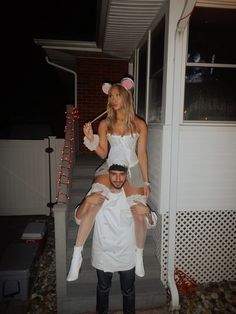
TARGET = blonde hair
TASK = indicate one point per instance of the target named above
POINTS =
(128, 110)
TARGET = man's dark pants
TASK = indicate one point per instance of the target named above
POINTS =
(127, 279)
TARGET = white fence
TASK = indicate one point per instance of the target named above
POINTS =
(25, 176)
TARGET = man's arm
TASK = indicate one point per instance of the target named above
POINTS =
(141, 209)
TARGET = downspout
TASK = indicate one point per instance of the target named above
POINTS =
(68, 70)
(75, 101)
(178, 49)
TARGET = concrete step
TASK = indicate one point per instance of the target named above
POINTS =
(149, 294)
(84, 171)
(78, 195)
(83, 188)
(149, 248)
(151, 266)
(80, 181)
(88, 159)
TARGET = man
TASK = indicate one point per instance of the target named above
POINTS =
(113, 248)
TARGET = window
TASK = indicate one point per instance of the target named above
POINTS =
(156, 72)
(142, 81)
(210, 81)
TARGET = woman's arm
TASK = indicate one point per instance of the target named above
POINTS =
(142, 154)
(102, 146)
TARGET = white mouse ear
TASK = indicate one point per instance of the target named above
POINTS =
(106, 87)
(127, 83)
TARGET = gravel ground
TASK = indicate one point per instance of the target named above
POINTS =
(212, 298)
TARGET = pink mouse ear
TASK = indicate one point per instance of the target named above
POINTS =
(106, 87)
(127, 83)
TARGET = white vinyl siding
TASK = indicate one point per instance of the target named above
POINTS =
(207, 168)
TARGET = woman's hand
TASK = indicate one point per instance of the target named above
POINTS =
(88, 131)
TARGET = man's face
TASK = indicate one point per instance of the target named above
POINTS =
(117, 178)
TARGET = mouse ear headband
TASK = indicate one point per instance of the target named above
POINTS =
(126, 82)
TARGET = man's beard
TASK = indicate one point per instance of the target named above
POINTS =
(118, 186)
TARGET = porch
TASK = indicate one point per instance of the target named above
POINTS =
(191, 141)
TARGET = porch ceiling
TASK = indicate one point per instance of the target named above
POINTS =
(126, 23)
(120, 27)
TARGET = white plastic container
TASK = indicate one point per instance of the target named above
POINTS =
(35, 233)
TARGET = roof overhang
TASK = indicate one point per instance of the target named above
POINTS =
(121, 26)
(125, 24)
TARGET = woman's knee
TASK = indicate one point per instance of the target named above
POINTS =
(102, 179)
(139, 218)
(90, 211)
(136, 198)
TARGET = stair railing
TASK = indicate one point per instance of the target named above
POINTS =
(61, 209)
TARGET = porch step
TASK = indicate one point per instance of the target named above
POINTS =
(80, 181)
(149, 294)
(148, 250)
(81, 294)
(88, 274)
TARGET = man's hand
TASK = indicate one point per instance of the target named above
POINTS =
(140, 209)
(95, 198)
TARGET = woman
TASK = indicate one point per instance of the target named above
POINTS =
(123, 136)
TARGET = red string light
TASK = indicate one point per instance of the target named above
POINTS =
(67, 154)
(185, 283)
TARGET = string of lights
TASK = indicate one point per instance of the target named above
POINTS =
(67, 156)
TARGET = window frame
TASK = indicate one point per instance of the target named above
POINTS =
(204, 65)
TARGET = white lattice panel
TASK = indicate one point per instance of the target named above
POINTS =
(205, 245)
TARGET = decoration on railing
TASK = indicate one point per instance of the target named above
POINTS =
(67, 155)
(185, 284)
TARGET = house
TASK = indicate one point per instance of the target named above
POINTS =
(182, 55)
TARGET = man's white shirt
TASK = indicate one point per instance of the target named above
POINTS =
(113, 246)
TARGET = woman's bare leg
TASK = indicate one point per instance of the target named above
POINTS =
(86, 217)
(86, 225)
(140, 228)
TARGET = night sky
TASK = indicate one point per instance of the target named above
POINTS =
(32, 94)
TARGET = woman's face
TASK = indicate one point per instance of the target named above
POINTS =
(115, 98)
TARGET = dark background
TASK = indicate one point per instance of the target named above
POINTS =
(33, 98)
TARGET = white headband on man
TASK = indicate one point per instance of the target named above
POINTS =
(126, 82)
(118, 161)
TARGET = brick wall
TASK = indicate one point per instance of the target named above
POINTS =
(91, 100)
